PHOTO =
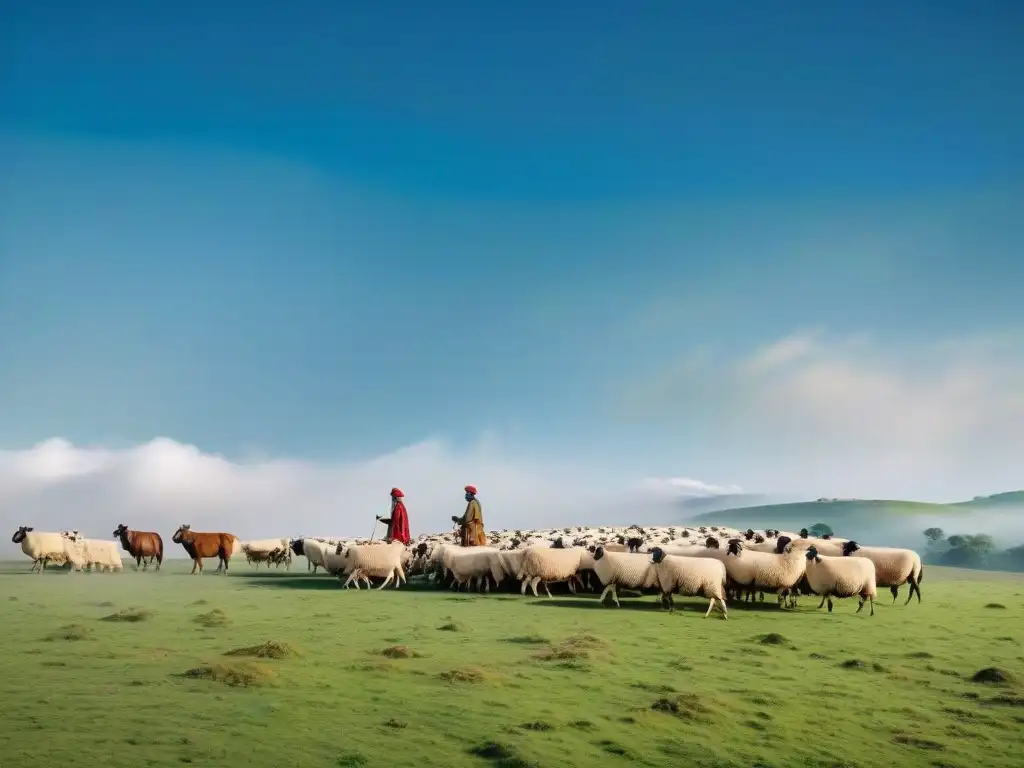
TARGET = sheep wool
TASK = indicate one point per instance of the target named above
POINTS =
(893, 567)
(548, 565)
(692, 576)
(382, 561)
(615, 569)
(841, 577)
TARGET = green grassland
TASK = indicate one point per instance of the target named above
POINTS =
(277, 669)
(865, 511)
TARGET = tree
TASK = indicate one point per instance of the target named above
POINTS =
(934, 534)
(968, 550)
(819, 530)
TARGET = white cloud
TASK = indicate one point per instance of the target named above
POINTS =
(686, 487)
(854, 415)
(161, 484)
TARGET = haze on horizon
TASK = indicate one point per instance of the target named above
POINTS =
(590, 263)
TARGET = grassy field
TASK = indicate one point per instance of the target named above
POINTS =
(137, 670)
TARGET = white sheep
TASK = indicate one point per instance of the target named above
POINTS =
(260, 550)
(780, 572)
(379, 561)
(47, 547)
(549, 565)
(629, 570)
(315, 550)
(692, 576)
(100, 554)
(893, 567)
(469, 565)
(840, 577)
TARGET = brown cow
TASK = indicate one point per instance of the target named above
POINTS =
(200, 545)
(144, 546)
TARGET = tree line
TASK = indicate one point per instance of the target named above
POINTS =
(977, 550)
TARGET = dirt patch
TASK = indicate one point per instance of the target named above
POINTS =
(537, 725)
(451, 626)
(500, 755)
(772, 638)
(998, 606)
(268, 650)
(916, 742)
(920, 655)
(71, 632)
(392, 723)
(400, 652)
(528, 640)
(992, 676)
(467, 675)
(1005, 700)
(613, 748)
(237, 676)
(583, 725)
(575, 648)
(130, 615)
(199, 602)
(214, 618)
(853, 664)
(687, 707)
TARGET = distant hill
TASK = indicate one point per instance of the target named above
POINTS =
(1008, 499)
(837, 511)
(707, 504)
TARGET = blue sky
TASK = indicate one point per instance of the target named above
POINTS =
(327, 231)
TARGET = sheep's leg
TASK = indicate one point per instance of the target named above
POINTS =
(914, 587)
(711, 604)
(387, 581)
(830, 603)
(896, 593)
(725, 611)
(526, 583)
(607, 591)
(487, 585)
(822, 602)
(533, 585)
(872, 599)
(546, 590)
(572, 584)
(615, 594)
(860, 604)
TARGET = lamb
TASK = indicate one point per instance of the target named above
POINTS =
(100, 554)
(548, 565)
(893, 567)
(630, 570)
(381, 561)
(47, 547)
(841, 577)
(690, 576)
(262, 550)
(470, 565)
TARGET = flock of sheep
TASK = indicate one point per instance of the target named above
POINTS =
(713, 562)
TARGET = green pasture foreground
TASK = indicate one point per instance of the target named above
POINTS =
(135, 670)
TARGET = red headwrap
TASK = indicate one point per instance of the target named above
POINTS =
(471, 489)
(396, 493)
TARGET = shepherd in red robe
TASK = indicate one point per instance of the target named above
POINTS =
(398, 523)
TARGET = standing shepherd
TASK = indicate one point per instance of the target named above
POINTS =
(398, 523)
(471, 524)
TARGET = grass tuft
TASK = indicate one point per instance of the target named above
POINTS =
(131, 615)
(214, 618)
(271, 649)
(992, 676)
(399, 652)
(236, 676)
(71, 632)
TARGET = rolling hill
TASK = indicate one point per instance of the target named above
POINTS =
(898, 522)
(829, 510)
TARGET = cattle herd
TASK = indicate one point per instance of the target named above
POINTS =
(712, 562)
